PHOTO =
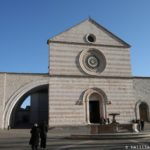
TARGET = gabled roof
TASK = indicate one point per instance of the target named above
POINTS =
(76, 33)
(109, 32)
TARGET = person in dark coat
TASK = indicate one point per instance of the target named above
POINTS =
(142, 125)
(43, 134)
(35, 135)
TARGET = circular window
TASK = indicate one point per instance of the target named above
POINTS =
(90, 38)
(92, 61)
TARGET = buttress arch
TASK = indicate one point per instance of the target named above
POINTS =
(15, 98)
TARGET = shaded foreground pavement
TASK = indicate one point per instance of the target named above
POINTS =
(19, 139)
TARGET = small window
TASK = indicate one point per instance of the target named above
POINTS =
(90, 38)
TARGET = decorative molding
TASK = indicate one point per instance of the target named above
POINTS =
(86, 44)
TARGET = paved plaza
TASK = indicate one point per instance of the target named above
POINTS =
(19, 139)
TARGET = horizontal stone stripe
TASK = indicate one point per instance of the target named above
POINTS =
(125, 87)
(65, 113)
(62, 121)
(120, 73)
(52, 124)
(64, 59)
(76, 79)
(123, 112)
(75, 50)
(64, 106)
(57, 117)
(73, 59)
(108, 74)
(123, 99)
(121, 86)
(73, 54)
(122, 107)
(59, 46)
(71, 64)
(67, 118)
(69, 71)
(76, 70)
(63, 95)
(59, 92)
(66, 121)
(81, 114)
(68, 99)
(105, 88)
(69, 67)
(68, 91)
(115, 71)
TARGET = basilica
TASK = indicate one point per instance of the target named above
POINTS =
(89, 78)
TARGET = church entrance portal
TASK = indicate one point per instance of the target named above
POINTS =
(31, 108)
(95, 105)
(143, 109)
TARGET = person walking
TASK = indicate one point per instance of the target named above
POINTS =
(35, 135)
(43, 135)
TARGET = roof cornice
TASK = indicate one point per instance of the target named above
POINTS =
(86, 44)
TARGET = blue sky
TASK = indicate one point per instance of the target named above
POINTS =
(26, 25)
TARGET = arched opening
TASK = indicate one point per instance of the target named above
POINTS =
(31, 108)
(95, 105)
(143, 111)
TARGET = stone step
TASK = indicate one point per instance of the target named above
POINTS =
(110, 136)
(147, 126)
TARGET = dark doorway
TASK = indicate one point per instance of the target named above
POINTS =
(94, 111)
(143, 108)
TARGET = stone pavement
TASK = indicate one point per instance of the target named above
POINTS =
(60, 139)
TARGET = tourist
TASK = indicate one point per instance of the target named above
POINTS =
(34, 140)
(43, 134)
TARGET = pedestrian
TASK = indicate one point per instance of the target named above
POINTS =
(142, 125)
(35, 134)
(138, 124)
(108, 121)
(43, 134)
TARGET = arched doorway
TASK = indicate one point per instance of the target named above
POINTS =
(143, 111)
(31, 108)
(95, 105)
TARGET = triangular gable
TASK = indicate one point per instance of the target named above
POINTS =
(77, 33)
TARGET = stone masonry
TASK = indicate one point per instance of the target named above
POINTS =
(87, 64)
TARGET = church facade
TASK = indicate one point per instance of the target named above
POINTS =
(89, 78)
